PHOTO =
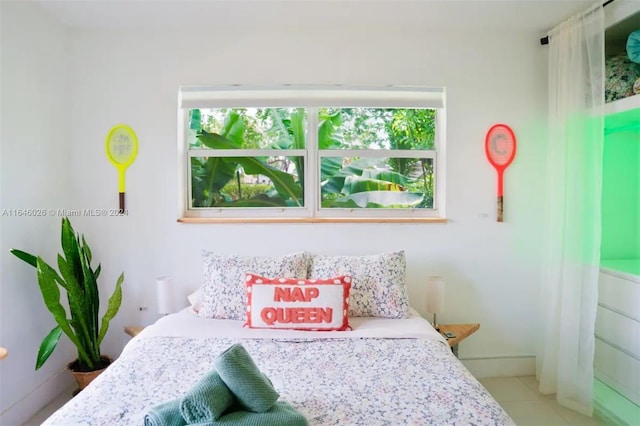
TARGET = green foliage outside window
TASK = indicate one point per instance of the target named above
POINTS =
(351, 181)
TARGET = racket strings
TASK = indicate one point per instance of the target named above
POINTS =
(501, 148)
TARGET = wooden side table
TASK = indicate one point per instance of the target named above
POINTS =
(133, 331)
(462, 331)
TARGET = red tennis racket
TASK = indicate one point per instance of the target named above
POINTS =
(500, 147)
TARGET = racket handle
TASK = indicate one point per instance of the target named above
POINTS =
(121, 194)
(499, 208)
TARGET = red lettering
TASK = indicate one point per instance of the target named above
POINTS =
(268, 315)
(280, 294)
(310, 293)
(314, 315)
(297, 295)
(326, 314)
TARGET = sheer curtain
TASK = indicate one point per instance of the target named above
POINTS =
(574, 179)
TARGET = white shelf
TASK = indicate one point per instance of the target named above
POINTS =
(623, 104)
(620, 10)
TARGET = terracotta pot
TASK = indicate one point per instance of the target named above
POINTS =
(84, 378)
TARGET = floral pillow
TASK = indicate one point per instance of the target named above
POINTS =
(378, 286)
(224, 290)
(298, 304)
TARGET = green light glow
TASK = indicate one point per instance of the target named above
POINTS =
(621, 187)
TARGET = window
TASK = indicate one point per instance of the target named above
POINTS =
(312, 152)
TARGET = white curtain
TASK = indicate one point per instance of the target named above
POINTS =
(574, 180)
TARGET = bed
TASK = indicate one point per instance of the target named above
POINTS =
(382, 372)
(374, 362)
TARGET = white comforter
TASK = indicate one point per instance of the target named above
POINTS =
(383, 372)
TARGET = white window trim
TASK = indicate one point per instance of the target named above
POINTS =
(311, 97)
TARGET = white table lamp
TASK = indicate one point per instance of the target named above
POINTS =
(164, 293)
(435, 297)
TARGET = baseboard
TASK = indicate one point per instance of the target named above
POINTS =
(20, 412)
(501, 366)
(612, 408)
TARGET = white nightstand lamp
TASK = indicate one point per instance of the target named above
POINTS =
(164, 293)
(435, 297)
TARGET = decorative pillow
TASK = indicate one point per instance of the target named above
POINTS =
(195, 299)
(621, 73)
(298, 304)
(378, 282)
(633, 46)
(224, 291)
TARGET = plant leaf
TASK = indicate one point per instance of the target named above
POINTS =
(282, 181)
(48, 345)
(86, 248)
(261, 200)
(32, 260)
(216, 141)
(23, 255)
(78, 303)
(70, 247)
(378, 199)
(51, 297)
(92, 305)
(112, 308)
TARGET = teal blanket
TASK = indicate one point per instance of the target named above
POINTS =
(207, 399)
(165, 414)
(280, 414)
(251, 388)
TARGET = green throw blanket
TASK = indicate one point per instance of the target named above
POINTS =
(251, 388)
(165, 414)
(235, 393)
(207, 399)
(281, 414)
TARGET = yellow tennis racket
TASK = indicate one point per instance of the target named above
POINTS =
(122, 148)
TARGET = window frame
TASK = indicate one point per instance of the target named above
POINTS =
(311, 98)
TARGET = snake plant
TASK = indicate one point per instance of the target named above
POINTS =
(80, 283)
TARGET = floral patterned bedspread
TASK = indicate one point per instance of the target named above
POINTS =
(363, 381)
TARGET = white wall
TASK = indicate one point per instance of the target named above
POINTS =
(133, 77)
(34, 161)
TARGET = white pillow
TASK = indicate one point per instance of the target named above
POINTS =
(195, 299)
(378, 286)
(224, 290)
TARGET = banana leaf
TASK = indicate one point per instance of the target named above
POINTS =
(216, 141)
(377, 199)
(297, 128)
(257, 201)
(355, 184)
(283, 182)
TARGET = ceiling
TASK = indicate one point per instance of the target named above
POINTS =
(454, 15)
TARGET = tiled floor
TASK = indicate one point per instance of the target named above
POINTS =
(520, 398)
